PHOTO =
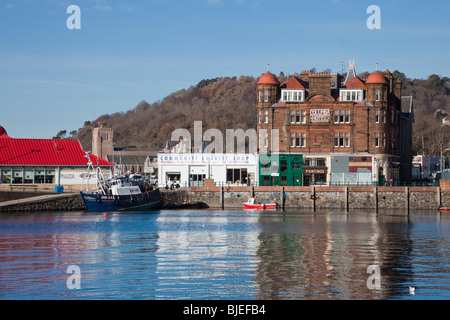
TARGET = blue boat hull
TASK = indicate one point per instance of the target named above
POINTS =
(150, 200)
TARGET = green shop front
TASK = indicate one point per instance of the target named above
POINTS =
(280, 169)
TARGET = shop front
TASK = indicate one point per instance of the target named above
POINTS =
(191, 169)
(315, 171)
(280, 170)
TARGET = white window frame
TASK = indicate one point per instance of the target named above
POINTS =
(297, 116)
(298, 139)
(342, 140)
(341, 116)
(351, 95)
(377, 95)
(292, 95)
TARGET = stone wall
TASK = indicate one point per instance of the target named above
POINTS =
(64, 202)
(15, 195)
(326, 197)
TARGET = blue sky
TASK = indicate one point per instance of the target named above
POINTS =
(53, 78)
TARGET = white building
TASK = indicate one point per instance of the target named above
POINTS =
(191, 169)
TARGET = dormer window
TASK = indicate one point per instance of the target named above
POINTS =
(352, 95)
(289, 95)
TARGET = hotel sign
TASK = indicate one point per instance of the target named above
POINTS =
(319, 115)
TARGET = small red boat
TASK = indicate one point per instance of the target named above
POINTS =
(445, 209)
(250, 204)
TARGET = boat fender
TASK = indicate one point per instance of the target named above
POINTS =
(99, 200)
(116, 200)
(131, 200)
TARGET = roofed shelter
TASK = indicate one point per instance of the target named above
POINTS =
(44, 163)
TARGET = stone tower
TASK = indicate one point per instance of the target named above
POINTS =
(102, 142)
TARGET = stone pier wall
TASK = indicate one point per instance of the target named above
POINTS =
(62, 202)
(325, 197)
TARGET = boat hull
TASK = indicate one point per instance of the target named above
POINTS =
(260, 206)
(145, 201)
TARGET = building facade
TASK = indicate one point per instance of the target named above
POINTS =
(351, 125)
(192, 169)
(45, 163)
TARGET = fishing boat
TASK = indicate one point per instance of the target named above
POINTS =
(250, 204)
(119, 193)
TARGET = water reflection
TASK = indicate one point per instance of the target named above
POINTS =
(225, 255)
(326, 255)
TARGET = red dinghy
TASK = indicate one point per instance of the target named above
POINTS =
(250, 204)
(445, 209)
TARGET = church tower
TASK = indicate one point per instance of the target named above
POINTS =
(102, 142)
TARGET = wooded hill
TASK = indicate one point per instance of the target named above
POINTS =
(230, 103)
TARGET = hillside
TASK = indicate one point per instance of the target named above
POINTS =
(230, 103)
(220, 103)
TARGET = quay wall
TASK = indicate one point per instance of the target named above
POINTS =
(53, 202)
(324, 197)
(229, 197)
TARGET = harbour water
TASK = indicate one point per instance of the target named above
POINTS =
(216, 254)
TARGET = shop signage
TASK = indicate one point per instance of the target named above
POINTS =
(319, 115)
(314, 170)
(211, 159)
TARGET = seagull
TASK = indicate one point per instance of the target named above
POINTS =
(411, 290)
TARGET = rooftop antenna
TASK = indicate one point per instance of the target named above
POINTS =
(268, 67)
(376, 66)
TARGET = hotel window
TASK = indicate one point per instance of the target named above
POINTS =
(342, 116)
(377, 116)
(266, 116)
(298, 116)
(380, 142)
(259, 95)
(292, 95)
(342, 140)
(383, 116)
(266, 95)
(377, 95)
(298, 139)
(351, 95)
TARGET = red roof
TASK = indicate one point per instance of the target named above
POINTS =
(44, 152)
(355, 83)
(268, 78)
(376, 77)
(293, 83)
(3, 134)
